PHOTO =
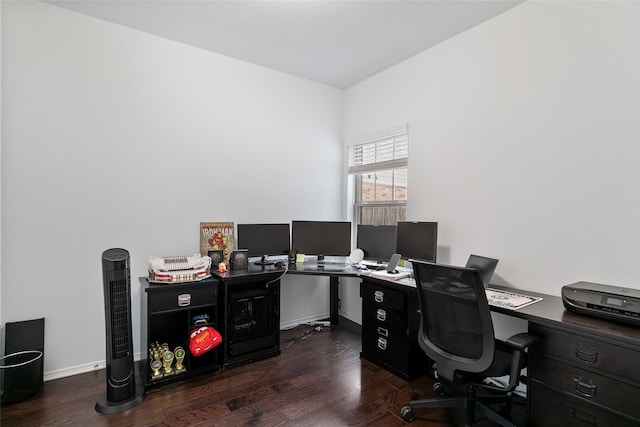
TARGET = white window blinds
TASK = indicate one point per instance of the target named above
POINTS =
(388, 149)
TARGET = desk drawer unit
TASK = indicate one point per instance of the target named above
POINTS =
(590, 381)
(384, 335)
(557, 409)
(388, 334)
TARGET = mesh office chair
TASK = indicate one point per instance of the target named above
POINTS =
(456, 332)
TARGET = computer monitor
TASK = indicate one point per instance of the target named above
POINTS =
(485, 265)
(418, 240)
(321, 238)
(378, 242)
(264, 240)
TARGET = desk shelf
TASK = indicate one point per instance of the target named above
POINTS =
(251, 319)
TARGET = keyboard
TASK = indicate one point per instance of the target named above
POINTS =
(372, 266)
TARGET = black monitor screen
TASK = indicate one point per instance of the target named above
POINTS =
(378, 242)
(264, 239)
(321, 238)
(418, 240)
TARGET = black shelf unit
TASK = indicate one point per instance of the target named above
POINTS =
(167, 316)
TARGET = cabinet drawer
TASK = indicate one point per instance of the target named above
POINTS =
(586, 385)
(550, 408)
(177, 299)
(389, 350)
(588, 353)
(383, 296)
(382, 317)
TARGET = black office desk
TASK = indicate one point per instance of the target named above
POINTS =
(334, 272)
(584, 371)
(551, 312)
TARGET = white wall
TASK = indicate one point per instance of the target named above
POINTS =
(1, 174)
(117, 138)
(524, 142)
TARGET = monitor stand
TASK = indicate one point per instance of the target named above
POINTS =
(264, 261)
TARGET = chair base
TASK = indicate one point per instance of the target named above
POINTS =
(469, 403)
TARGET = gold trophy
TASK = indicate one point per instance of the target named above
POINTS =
(167, 360)
(156, 365)
(179, 355)
(155, 362)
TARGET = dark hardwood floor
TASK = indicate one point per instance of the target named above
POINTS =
(318, 380)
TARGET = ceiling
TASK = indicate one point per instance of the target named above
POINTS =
(337, 43)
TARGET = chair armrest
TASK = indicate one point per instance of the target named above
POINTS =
(519, 343)
(522, 341)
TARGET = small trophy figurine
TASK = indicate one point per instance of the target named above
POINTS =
(179, 355)
(155, 352)
(167, 360)
(156, 365)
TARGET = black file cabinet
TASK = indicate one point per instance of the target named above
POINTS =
(390, 324)
(582, 380)
(169, 314)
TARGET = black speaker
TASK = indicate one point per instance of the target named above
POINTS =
(121, 378)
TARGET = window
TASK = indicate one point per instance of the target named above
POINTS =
(378, 165)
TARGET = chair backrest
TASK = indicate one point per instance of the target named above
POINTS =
(456, 330)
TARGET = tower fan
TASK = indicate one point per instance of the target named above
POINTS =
(121, 379)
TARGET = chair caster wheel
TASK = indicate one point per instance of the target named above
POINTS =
(438, 388)
(407, 414)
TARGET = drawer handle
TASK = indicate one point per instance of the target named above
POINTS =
(184, 300)
(378, 296)
(382, 343)
(589, 356)
(381, 315)
(584, 389)
(382, 331)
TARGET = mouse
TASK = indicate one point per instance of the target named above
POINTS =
(279, 264)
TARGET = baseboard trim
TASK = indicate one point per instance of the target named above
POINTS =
(80, 369)
(301, 321)
(102, 364)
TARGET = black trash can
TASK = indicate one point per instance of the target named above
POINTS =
(20, 375)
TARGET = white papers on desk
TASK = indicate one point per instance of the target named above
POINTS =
(383, 274)
(509, 300)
